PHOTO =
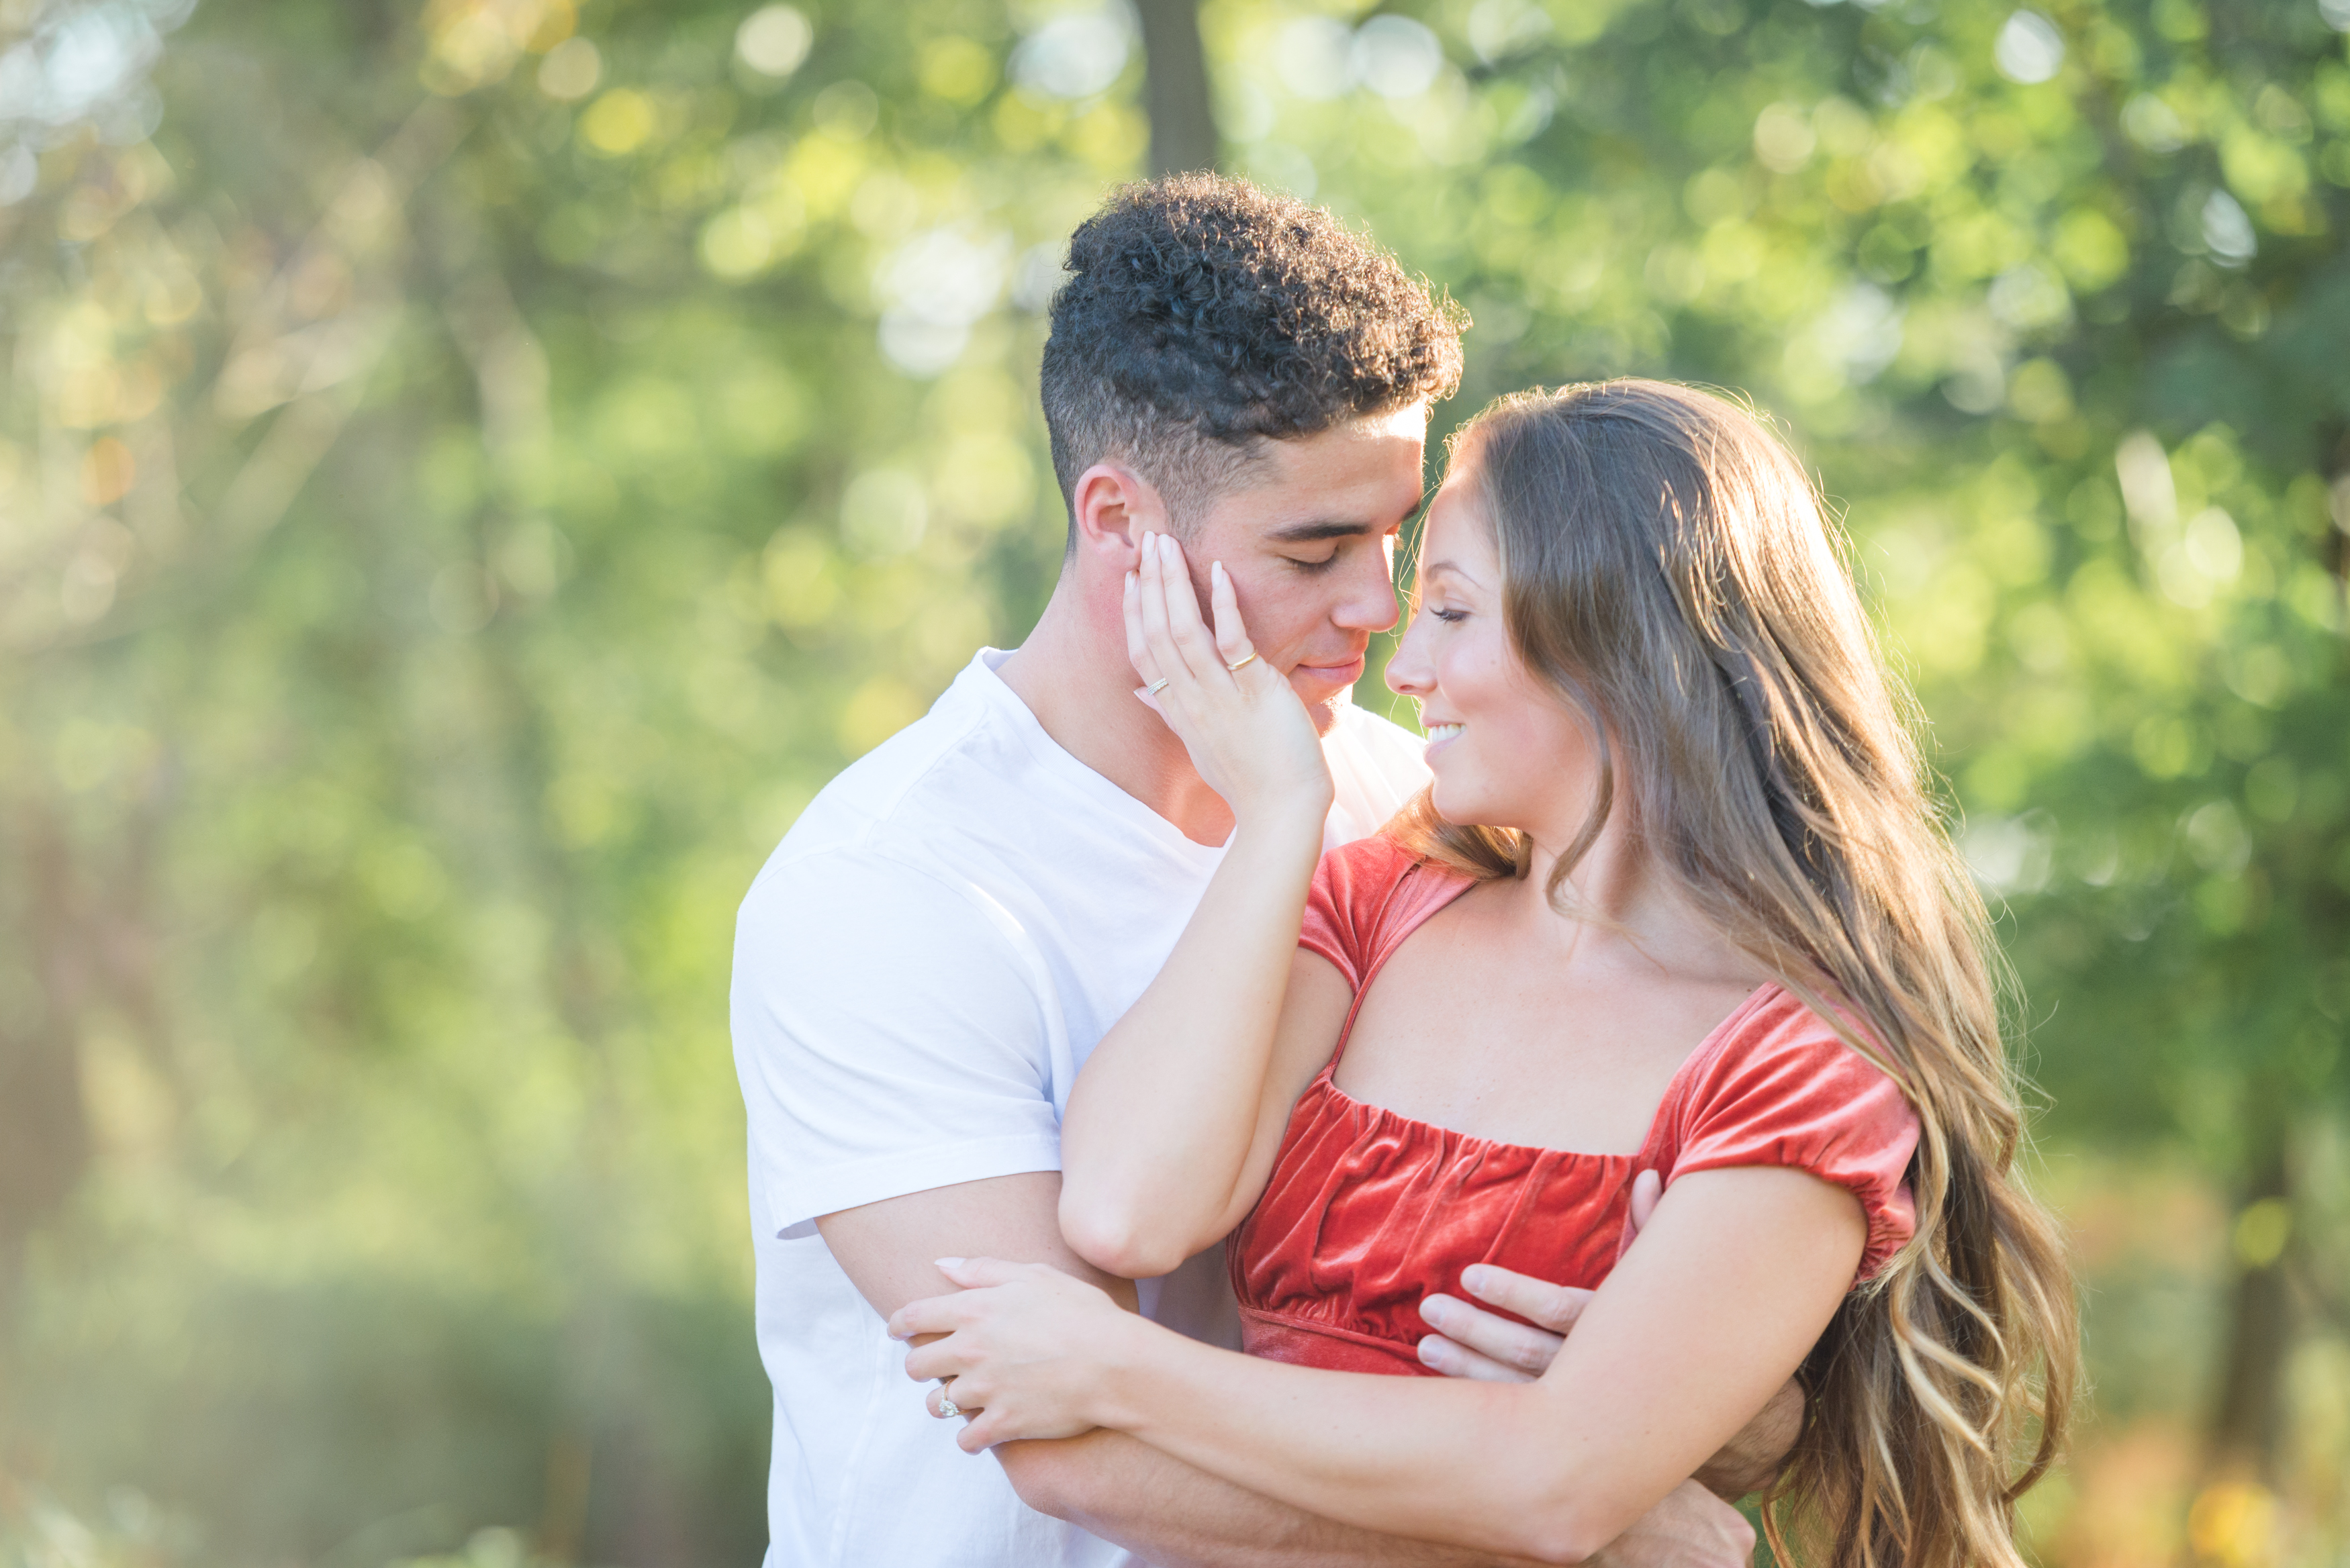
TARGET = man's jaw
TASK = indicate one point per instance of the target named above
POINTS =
(1323, 687)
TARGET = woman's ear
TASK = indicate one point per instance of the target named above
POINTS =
(1114, 507)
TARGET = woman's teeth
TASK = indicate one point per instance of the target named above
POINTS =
(1442, 732)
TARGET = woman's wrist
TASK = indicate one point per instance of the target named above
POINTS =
(1283, 823)
(1129, 1358)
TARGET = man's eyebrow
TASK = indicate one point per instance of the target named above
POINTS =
(1324, 528)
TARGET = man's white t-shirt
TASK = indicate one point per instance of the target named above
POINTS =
(920, 971)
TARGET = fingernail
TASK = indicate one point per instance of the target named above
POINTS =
(1432, 1308)
(1475, 1277)
(950, 1263)
(1430, 1352)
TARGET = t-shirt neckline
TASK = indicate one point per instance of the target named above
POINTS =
(993, 690)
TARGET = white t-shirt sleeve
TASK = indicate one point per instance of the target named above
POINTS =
(893, 1032)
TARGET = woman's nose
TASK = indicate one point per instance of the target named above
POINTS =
(1408, 670)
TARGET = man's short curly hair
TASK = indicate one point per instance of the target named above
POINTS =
(1204, 317)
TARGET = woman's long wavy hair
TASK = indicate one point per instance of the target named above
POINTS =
(1667, 570)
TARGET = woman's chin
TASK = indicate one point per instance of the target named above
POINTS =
(1456, 811)
(1460, 808)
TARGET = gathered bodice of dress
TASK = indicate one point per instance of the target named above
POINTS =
(1366, 1211)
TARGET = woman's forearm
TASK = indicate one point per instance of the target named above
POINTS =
(1472, 1464)
(1689, 1336)
(1727, 1289)
(1161, 1122)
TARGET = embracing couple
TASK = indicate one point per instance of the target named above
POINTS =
(1281, 1141)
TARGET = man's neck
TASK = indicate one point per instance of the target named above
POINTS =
(1073, 674)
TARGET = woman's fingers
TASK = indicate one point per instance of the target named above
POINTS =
(1186, 630)
(940, 1392)
(977, 1273)
(939, 1358)
(1231, 637)
(1151, 594)
(931, 1314)
(1179, 650)
(1138, 645)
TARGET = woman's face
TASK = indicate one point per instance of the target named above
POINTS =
(1506, 751)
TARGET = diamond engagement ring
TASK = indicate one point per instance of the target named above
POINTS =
(1247, 657)
(1159, 685)
(948, 1408)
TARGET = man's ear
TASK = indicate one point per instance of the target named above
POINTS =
(1115, 506)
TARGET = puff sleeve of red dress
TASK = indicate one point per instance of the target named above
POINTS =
(1782, 1088)
(1366, 898)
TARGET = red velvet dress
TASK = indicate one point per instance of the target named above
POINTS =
(1368, 1212)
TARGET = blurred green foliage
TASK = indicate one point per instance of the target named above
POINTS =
(470, 469)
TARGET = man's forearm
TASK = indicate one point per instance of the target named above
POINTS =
(1173, 1516)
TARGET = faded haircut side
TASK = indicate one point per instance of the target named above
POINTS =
(1204, 317)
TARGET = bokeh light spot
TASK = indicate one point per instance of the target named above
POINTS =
(618, 123)
(1782, 138)
(2029, 48)
(774, 40)
(956, 70)
(108, 472)
(571, 71)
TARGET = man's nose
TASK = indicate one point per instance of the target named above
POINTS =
(1370, 603)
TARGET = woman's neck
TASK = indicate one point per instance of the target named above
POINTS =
(1619, 904)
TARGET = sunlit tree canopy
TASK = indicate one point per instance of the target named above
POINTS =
(470, 470)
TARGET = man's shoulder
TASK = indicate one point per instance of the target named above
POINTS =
(918, 813)
(884, 792)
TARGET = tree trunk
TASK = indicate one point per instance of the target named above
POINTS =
(1175, 88)
(2248, 1420)
(44, 1137)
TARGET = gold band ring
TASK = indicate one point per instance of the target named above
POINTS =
(1237, 663)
